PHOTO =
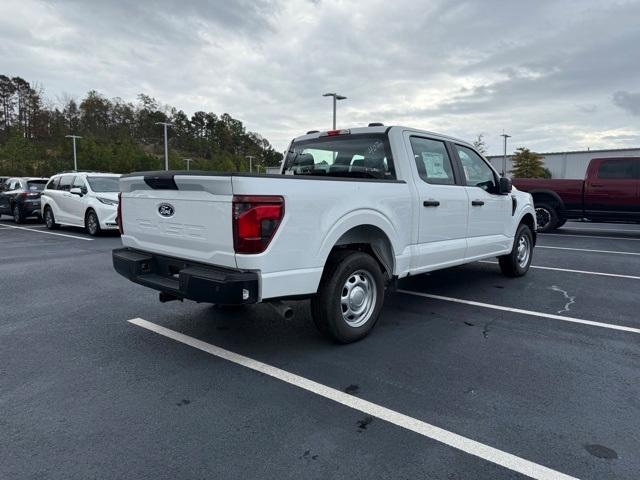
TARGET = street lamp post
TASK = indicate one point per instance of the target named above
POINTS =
(166, 145)
(250, 157)
(188, 160)
(336, 97)
(504, 157)
(75, 158)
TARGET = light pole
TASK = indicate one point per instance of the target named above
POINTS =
(336, 97)
(504, 157)
(75, 158)
(188, 160)
(250, 157)
(166, 146)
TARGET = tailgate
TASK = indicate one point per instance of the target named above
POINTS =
(179, 215)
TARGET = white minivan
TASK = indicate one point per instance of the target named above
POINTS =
(81, 199)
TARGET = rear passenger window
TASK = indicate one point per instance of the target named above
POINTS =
(53, 183)
(65, 183)
(432, 160)
(618, 169)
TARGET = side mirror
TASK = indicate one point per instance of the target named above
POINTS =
(76, 191)
(504, 186)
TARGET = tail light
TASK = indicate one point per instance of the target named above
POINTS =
(119, 214)
(24, 195)
(255, 221)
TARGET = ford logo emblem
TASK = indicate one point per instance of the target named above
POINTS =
(166, 210)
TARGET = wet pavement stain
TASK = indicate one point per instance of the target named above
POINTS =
(307, 456)
(352, 389)
(364, 423)
(600, 451)
(183, 402)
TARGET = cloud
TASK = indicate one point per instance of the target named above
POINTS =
(539, 71)
(627, 101)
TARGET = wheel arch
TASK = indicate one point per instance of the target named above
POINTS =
(528, 220)
(365, 231)
(548, 196)
(372, 240)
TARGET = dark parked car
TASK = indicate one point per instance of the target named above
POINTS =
(610, 192)
(20, 197)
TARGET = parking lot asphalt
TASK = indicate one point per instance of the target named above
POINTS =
(497, 362)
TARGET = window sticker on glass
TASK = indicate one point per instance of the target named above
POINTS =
(434, 165)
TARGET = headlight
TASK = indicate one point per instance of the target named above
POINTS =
(108, 201)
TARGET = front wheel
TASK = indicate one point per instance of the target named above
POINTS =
(350, 296)
(547, 217)
(92, 224)
(49, 219)
(516, 263)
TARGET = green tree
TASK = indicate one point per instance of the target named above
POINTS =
(480, 145)
(527, 164)
(117, 135)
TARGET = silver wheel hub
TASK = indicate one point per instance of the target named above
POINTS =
(358, 298)
(523, 251)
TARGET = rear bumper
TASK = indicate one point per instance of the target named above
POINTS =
(30, 209)
(185, 279)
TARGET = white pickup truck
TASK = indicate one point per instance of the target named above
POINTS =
(351, 212)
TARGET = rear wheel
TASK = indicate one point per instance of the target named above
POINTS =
(517, 263)
(91, 223)
(18, 217)
(49, 219)
(546, 217)
(350, 296)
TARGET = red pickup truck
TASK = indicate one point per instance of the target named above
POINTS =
(610, 192)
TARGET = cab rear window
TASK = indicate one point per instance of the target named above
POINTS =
(351, 156)
(36, 185)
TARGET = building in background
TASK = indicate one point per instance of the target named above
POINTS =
(569, 164)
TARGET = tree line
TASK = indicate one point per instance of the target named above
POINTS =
(117, 135)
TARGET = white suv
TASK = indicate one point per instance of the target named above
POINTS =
(81, 199)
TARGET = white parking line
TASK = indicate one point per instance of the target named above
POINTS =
(587, 250)
(522, 311)
(490, 454)
(48, 233)
(605, 229)
(588, 236)
(570, 270)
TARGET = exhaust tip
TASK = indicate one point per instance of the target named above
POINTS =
(288, 313)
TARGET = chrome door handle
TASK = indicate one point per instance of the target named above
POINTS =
(477, 203)
(431, 203)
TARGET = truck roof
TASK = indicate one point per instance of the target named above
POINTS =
(383, 129)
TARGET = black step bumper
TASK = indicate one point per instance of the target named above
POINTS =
(186, 279)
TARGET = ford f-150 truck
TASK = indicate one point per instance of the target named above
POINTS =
(351, 212)
(609, 192)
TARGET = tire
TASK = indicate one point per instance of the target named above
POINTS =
(350, 296)
(561, 222)
(50, 219)
(516, 263)
(91, 223)
(547, 217)
(18, 217)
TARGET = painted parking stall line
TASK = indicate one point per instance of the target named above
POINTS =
(522, 311)
(467, 445)
(604, 229)
(589, 236)
(588, 250)
(571, 270)
(47, 233)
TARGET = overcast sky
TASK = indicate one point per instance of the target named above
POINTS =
(556, 75)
